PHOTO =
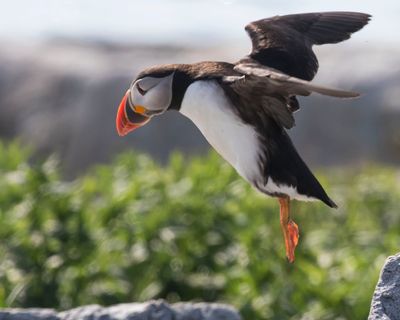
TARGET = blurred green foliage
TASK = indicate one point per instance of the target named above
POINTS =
(192, 230)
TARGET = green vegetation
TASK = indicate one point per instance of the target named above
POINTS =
(192, 230)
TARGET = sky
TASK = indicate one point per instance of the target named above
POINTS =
(186, 22)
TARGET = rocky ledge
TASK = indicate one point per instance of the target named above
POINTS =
(152, 310)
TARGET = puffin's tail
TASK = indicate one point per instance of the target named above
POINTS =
(308, 184)
(285, 166)
(329, 202)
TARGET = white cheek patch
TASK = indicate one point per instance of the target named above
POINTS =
(147, 83)
(158, 94)
(137, 98)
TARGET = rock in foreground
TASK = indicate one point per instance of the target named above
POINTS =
(152, 310)
(386, 300)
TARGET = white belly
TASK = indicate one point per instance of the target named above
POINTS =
(207, 106)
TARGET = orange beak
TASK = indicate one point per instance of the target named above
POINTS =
(128, 119)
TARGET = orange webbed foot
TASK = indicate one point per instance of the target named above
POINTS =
(293, 239)
(289, 228)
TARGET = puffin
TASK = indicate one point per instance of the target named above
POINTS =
(244, 109)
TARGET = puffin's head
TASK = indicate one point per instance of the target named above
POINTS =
(149, 95)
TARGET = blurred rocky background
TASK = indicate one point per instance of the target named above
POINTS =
(61, 96)
(66, 67)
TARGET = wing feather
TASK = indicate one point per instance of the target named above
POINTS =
(285, 42)
(287, 85)
(265, 84)
(268, 92)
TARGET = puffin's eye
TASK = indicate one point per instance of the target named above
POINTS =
(141, 91)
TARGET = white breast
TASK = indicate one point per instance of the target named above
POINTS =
(210, 110)
(207, 106)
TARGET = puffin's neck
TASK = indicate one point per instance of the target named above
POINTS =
(187, 74)
(182, 80)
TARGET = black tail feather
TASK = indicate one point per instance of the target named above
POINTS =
(285, 166)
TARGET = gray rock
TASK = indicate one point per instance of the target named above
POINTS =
(152, 310)
(28, 314)
(386, 300)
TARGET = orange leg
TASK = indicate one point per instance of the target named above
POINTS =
(289, 228)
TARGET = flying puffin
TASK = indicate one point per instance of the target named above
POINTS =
(243, 109)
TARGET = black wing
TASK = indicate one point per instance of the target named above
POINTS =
(273, 93)
(285, 42)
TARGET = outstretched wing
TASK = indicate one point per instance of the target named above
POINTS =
(285, 42)
(272, 92)
(276, 82)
